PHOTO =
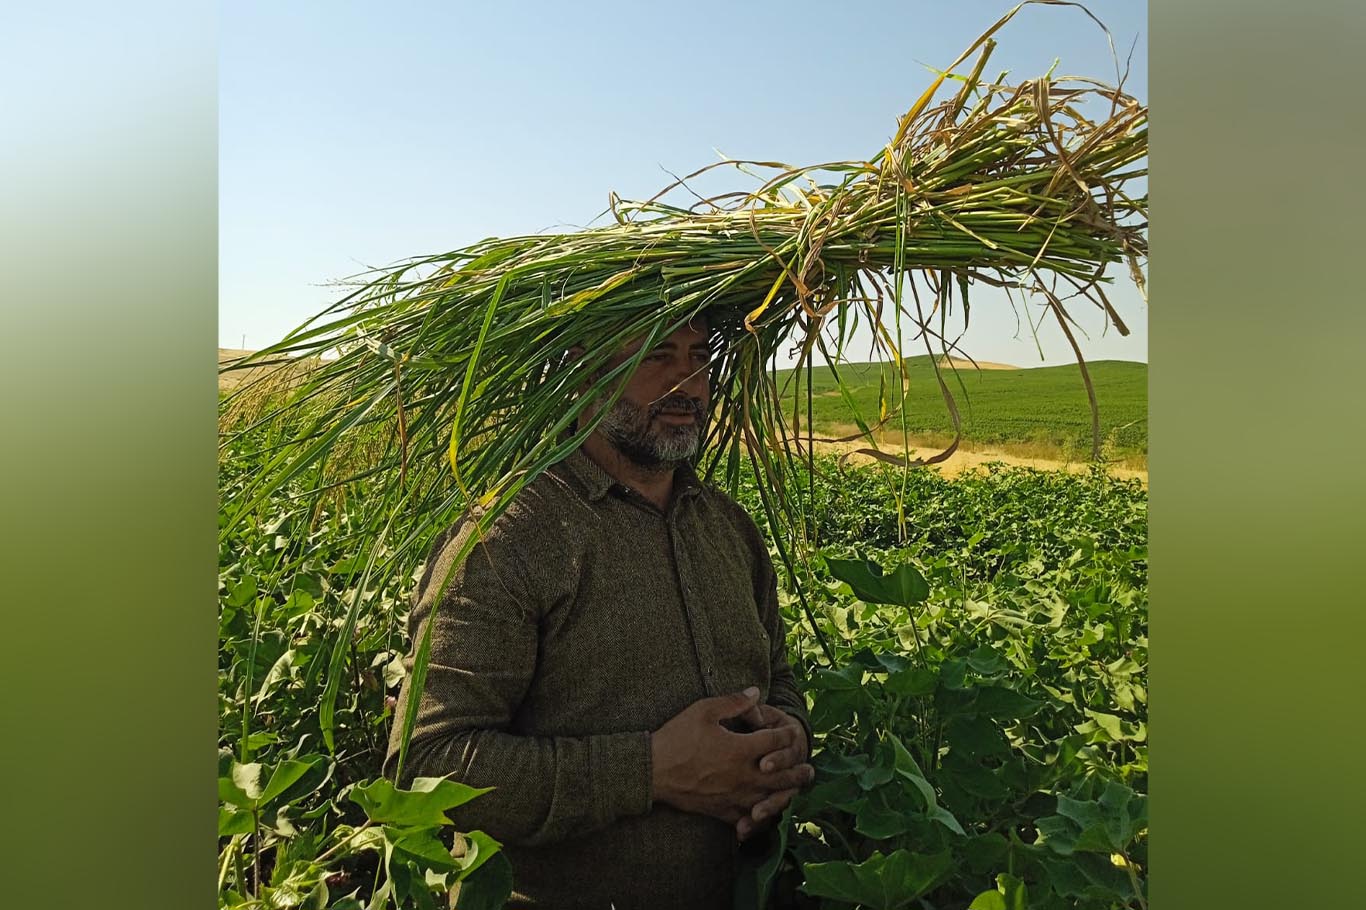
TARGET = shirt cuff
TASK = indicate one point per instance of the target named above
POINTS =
(620, 772)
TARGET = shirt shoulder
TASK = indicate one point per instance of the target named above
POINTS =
(527, 547)
(724, 505)
(534, 518)
(540, 520)
(722, 514)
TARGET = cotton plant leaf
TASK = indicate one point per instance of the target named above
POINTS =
(424, 803)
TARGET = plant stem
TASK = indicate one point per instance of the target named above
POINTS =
(326, 855)
(227, 861)
(256, 849)
(1133, 879)
(239, 866)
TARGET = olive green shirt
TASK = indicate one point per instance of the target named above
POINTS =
(585, 620)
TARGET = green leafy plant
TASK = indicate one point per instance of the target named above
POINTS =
(987, 699)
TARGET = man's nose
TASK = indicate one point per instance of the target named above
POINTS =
(688, 377)
(685, 372)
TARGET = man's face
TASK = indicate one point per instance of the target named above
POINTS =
(657, 421)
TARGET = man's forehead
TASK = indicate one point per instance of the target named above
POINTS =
(692, 334)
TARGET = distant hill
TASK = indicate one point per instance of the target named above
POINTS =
(1002, 405)
(234, 378)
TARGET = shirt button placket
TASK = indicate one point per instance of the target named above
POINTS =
(696, 620)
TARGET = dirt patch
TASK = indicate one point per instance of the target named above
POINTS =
(972, 457)
(945, 363)
(231, 380)
(956, 363)
(284, 371)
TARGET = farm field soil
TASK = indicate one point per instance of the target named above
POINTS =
(958, 364)
(231, 380)
(970, 456)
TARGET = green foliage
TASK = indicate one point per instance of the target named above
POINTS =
(998, 717)
(905, 587)
(425, 804)
(974, 653)
(304, 819)
(980, 734)
(879, 882)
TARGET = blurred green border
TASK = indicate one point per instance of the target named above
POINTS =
(108, 244)
(108, 248)
(1256, 431)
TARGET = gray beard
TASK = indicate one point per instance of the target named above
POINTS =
(629, 428)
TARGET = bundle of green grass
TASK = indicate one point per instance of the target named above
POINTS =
(450, 387)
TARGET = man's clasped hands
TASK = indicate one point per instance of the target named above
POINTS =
(745, 779)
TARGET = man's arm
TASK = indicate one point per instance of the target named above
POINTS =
(482, 659)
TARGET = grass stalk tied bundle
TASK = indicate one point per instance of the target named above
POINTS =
(444, 382)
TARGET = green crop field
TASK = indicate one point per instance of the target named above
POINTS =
(975, 667)
(1044, 406)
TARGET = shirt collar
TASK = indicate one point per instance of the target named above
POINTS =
(596, 483)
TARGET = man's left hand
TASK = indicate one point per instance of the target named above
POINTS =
(772, 806)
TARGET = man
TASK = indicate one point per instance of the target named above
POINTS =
(611, 659)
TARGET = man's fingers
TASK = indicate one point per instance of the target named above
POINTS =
(769, 716)
(771, 806)
(793, 778)
(766, 741)
(782, 758)
(776, 718)
(744, 828)
(746, 708)
(754, 718)
(723, 707)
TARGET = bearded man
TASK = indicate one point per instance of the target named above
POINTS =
(610, 658)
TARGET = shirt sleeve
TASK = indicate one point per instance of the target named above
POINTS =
(484, 642)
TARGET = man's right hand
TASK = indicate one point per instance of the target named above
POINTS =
(699, 766)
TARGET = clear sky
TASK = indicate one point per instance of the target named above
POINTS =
(356, 134)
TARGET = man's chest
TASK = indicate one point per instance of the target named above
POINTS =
(652, 615)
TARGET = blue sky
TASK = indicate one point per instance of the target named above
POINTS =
(357, 134)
